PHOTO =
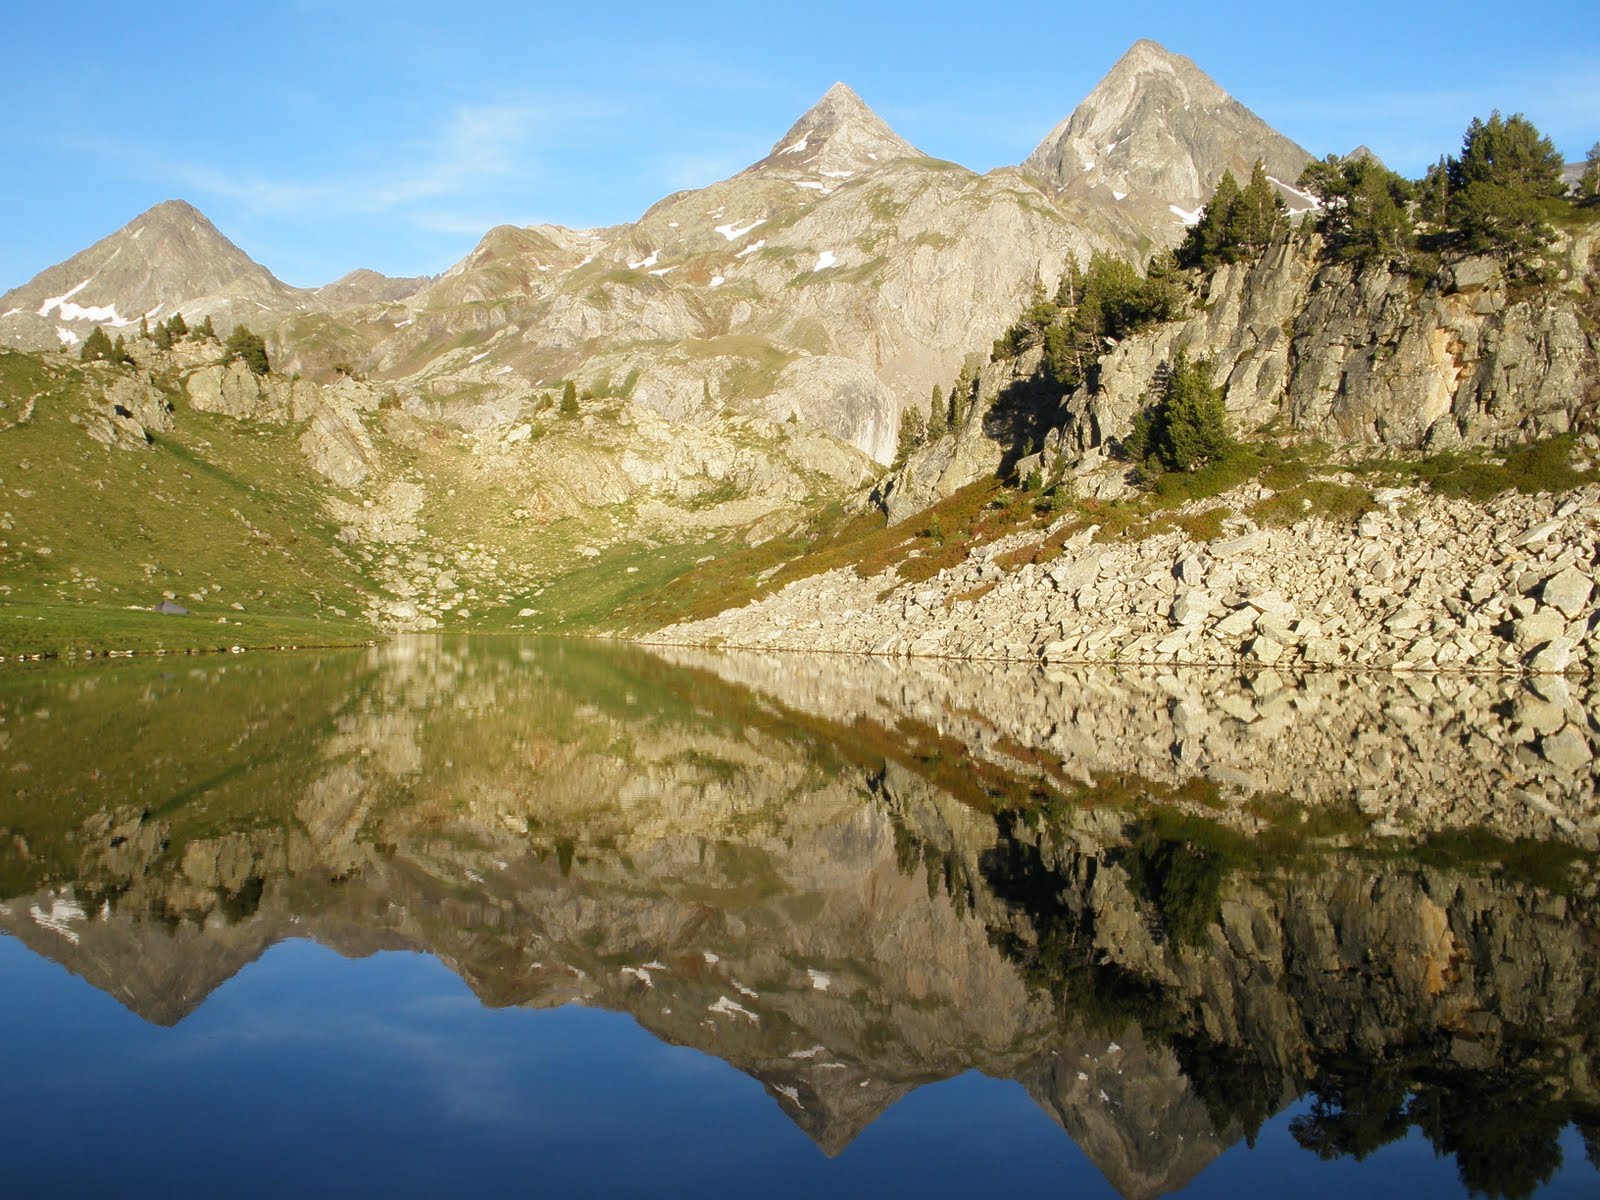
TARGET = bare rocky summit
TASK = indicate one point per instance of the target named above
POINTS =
(170, 259)
(1153, 138)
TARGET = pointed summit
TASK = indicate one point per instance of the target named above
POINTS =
(1158, 129)
(168, 259)
(838, 134)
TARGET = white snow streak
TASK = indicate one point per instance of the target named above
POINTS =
(56, 301)
(836, 174)
(793, 1093)
(663, 270)
(751, 248)
(1119, 196)
(717, 281)
(733, 233)
(797, 146)
(819, 979)
(645, 262)
(68, 338)
(60, 917)
(640, 974)
(825, 260)
(729, 1008)
(814, 186)
(1184, 215)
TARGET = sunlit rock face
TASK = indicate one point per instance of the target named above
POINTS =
(848, 887)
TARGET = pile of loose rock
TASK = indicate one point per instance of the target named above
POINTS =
(1425, 582)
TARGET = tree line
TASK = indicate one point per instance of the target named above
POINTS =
(243, 344)
(1497, 197)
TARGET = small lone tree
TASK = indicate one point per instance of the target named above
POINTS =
(912, 430)
(204, 330)
(569, 399)
(938, 414)
(96, 347)
(249, 348)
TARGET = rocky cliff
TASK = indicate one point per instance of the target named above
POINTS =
(1373, 356)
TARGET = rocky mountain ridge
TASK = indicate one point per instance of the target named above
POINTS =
(835, 280)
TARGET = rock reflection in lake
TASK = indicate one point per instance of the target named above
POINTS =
(1169, 906)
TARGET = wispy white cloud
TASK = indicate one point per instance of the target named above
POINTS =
(477, 148)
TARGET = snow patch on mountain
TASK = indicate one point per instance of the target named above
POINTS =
(734, 232)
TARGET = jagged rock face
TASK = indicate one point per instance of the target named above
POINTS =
(1361, 357)
(167, 260)
(1153, 138)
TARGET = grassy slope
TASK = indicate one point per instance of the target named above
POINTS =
(218, 512)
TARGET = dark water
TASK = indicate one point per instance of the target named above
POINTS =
(532, 918)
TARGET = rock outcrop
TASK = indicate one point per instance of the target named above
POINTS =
(1371, 357)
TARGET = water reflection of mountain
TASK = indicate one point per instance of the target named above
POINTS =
(850, 884)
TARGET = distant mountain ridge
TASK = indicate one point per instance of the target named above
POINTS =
(834, 281)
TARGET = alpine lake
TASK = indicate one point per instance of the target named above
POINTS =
(559, 917)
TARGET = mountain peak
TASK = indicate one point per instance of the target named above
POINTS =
(838, 135)
(1159, 129)
(168, 258)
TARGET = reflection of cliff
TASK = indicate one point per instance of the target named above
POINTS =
(806, 898)
(1412, 751)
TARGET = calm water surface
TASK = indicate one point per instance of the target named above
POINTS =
(499, 917)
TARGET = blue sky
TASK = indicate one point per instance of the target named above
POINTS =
(323, 136)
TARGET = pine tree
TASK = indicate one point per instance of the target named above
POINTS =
(1589, 183)
(1506, 174)
(1434, 194)
(119, 351)
(911, 435)
(569, 399)
(1365, 209)
(249, 348)
(1254, 219)
(1187, 427)
(938, 414)
(144, 328)
(96, 347)
(177, 325)
(204, 330)
(961, 394)
(1203, 245)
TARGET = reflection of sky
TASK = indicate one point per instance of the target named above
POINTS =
(311, 1074)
